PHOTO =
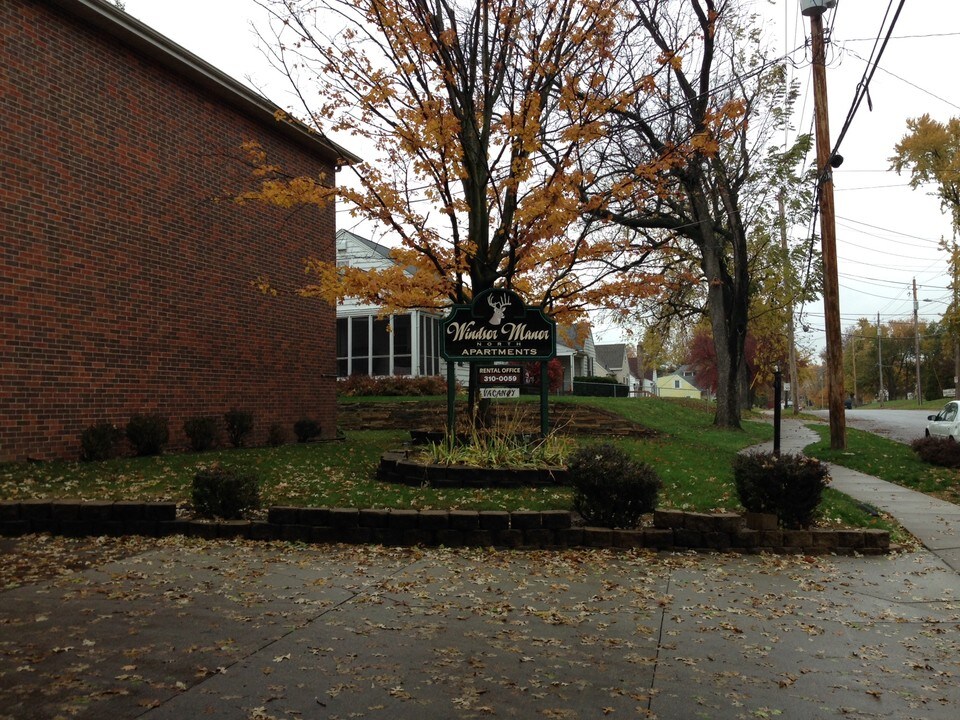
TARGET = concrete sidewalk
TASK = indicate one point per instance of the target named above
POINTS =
(244, 631)
(936, 523)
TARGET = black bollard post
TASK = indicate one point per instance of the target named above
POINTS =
(777, 387)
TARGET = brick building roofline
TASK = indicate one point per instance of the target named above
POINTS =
(148, 42)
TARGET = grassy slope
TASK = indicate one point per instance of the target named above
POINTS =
(691, 456)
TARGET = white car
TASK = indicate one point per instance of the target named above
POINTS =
(945, 423)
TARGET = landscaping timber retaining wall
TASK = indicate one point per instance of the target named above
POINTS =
(671, 530)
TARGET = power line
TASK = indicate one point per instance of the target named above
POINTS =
(892, 232)
(904, 80)
(871, 187)
(886, 283)
(905, 37)
(863, 87)
(910, 268)
(864, 292)
(874, 250)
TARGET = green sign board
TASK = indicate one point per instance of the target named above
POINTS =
(498, 326)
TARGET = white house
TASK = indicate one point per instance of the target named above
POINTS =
(409, 343)
(646, 381)
(402, 344)
(577, 353)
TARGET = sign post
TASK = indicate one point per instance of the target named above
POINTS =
(497, 326)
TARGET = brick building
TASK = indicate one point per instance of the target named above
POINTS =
(125, 268)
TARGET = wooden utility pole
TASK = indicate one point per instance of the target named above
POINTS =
(879, 360)
(828, 237)
(955, 268)
(916, 340)
(853, 349)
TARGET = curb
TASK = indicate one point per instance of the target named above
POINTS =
(671, 530)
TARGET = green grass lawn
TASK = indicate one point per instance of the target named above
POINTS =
(887, 460)
(691, 456)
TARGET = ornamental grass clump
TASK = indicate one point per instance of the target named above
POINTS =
(487, 449)
(505, 444)
(788, 486)
(239, 424)
(306, 430)
(611, 489)
(276, 435)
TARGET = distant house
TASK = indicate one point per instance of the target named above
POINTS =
(367, 344)
(678, 384)
(644, 380)
(577, 352)
(613, 358)
(125, 287)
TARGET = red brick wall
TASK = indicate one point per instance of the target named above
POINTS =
(124, 285)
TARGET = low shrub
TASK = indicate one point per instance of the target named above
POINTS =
(599, 387)
(937, 451)
(306, 430)
(610, 489)
(99, 442)
(222, 493)
(202, 432)
(148, 434)
(789, 486)
(276, 435)
(239, 425)
(596, 379)
(394, 385)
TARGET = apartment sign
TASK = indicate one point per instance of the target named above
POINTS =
(498, 326)
(499, 381)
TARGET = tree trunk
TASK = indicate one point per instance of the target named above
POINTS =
(728, 343)
(727, 304)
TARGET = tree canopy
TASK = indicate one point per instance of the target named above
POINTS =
(930, 151)
(701, 139)
(476, 117)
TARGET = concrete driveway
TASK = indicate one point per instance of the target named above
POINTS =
(179, 628)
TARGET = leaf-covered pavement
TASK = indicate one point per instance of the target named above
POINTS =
(178, 628)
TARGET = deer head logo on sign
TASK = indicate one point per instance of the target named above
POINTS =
(499, 305)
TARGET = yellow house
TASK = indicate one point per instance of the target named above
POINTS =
(678, 385)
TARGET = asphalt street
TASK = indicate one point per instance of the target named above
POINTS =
(900, 425)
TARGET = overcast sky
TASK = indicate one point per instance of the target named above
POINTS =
(887, 233)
